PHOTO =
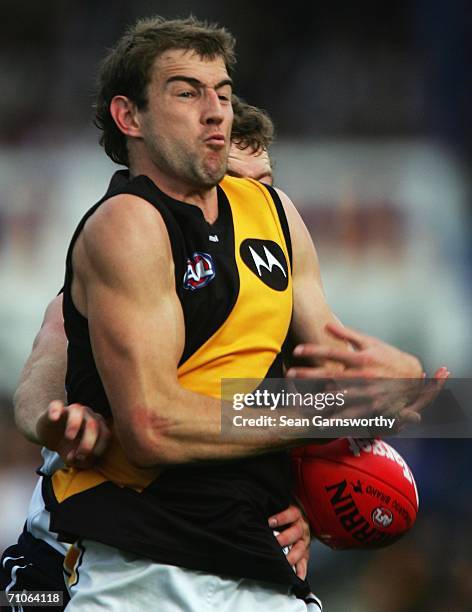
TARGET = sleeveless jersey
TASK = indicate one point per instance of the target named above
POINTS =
(233, 280)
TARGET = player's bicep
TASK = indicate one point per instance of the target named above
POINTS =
(135, 341)
(135, 319)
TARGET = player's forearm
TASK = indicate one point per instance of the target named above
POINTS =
(41, 381)
(183, 427)
(39, 386)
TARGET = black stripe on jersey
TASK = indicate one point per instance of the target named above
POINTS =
(180, 217)
(283, 220)
(193, 235)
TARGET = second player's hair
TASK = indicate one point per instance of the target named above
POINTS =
(252, 126)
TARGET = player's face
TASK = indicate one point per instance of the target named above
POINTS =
(187, 124)
(247, 163)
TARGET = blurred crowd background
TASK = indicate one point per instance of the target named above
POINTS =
(372, 108)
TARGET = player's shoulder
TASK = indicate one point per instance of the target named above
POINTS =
(123, 209)
(124, 227)
(127, 218)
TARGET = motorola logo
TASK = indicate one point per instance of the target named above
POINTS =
(267, 261)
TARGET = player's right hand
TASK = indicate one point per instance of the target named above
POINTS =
(77, 433)
(294, 538)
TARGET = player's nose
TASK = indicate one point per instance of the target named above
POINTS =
(213, 112)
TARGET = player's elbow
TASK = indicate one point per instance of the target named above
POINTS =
(25, 420)
(148, 441)
(19, 409)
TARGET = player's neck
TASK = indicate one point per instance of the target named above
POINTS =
(205, 198)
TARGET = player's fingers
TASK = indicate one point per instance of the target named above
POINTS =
(297, 553)
(431, 390)
(88, 438)
(357, 339)
(95, 439)
(75, 420)
(103, 440)
(406, 416)
(301, 568)
(309, 373)
(332, 353)
(442, 373)
(291, 535)
(327, 372)
(289, 515)
(55, 410)
(50, 425)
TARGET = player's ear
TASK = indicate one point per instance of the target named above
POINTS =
(125, 115)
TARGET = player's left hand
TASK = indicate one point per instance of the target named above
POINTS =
(77, 433)
(294, 533)
(371, 358)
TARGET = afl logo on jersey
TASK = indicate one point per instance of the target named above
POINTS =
(200, 271)
(267, 260)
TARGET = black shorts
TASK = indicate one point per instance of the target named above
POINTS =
(32, 565)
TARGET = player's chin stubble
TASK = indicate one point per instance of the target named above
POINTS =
(207, 173)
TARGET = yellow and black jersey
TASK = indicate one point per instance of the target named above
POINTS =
(233, 280)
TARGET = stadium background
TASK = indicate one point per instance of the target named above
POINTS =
(372, 109)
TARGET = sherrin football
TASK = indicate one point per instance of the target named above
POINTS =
(357, 493)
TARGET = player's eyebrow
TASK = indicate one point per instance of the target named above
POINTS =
(196, 82)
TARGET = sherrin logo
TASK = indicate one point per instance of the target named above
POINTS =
(200, 271)
(382, 517)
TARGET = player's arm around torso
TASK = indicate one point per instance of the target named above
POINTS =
(43, 374)
(311, 312)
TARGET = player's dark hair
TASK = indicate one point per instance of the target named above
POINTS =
(252, 126)
(126, 70)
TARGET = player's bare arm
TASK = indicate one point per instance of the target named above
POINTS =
(124, 284)
(327, 348)
(42, 377)
(311, 312)
(76, 432)
(322, 340)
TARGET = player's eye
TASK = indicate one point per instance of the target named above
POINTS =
(186, 94)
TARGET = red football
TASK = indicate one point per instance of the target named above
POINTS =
(357, 493)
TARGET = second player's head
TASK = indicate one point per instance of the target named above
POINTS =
(252, 135)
